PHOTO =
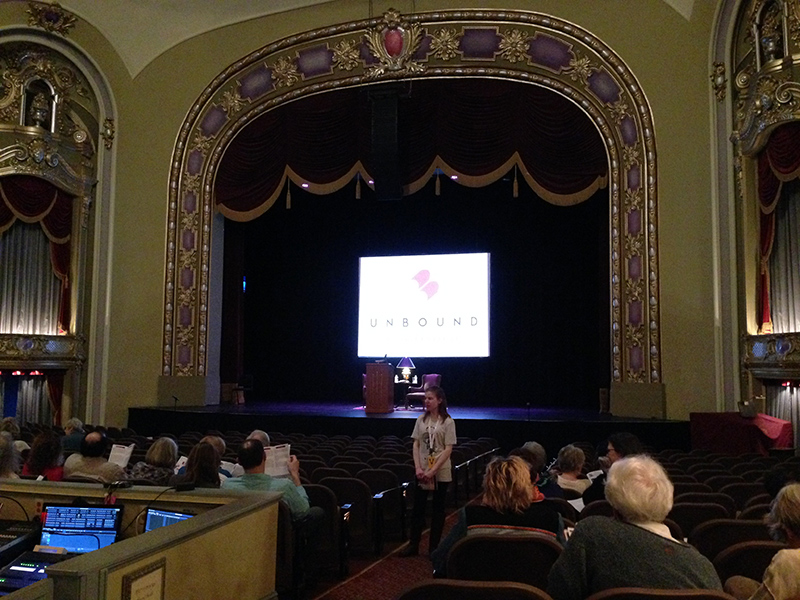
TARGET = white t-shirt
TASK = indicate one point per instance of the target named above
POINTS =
(434, 435)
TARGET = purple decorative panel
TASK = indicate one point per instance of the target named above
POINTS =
(366, 55)
(603, 86)
(635, 267)
(213, 121)
(184, 355)
(637, 358)
(627, 129)
(479, 44)
(188, 239)
(187, 278)
(315, 61)
(634, 178)
(185, 316)
(424, 48)
(190, 202)
(550, 52)
(635, 312)
(256, 83)
(634, 222)
(195, 162)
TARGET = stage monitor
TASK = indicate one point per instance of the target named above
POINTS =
(434, 305)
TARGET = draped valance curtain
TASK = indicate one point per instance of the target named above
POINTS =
(474, 129)
(34, 200)
(778, 162)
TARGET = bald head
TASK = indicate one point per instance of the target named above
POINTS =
(94, 444)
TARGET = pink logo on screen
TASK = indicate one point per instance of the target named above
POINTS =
(429, 287)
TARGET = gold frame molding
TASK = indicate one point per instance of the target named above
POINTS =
(530, 48)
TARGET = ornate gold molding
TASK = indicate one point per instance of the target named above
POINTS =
(526, 47)
(40, 351)
(766, 59)
(773, 356)
(50, 17)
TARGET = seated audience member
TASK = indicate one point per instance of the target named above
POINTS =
(633, 549)
(510, 500)
(570, 466)
(45, 458)
(159, 462)
(619, 445)
(252, 459)
(9, 457)
(225, 470)
(533, 454)
(10, 426)
(781, 580)
(90, 463)
(258, 434)
(201, 469)
(73, 435)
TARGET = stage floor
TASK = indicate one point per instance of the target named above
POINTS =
(511, 426)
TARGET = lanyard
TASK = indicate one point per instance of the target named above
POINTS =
(432, 435)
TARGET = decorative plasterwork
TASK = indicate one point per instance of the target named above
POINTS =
(40, 351)
(50, 17)
(529, 48)
(766, 56)
(773, 356)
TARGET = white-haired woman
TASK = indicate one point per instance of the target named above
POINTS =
(782, 577)
(633, 549)
(570, 464)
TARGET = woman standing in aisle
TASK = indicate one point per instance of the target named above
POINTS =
(434, 437)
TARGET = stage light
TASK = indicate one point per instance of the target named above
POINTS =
(17, 373)
(36, 373)
(305, 185)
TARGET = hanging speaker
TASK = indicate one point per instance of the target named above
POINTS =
(385, 147)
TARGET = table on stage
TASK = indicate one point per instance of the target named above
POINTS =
(731, 433)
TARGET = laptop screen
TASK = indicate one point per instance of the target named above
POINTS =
(157, 517)
(80, 529)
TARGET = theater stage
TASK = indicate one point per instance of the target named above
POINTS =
(511, 426)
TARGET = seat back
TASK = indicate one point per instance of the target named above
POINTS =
(320, 473)
(689, 515)
(705, 497)
(712, 537)
(602, 508)
(389, 498)
(632, 593)
(449, 589)
(524, 558)
(328, 542)
(749, 559)
(355, 492)
(741, 492)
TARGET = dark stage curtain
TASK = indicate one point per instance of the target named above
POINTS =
(55, 388)
(778, 163)
(474, 129)
(33, 200)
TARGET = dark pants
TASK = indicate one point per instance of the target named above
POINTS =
(437, 518)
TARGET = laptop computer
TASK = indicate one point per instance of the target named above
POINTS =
(67, 530)
(157, 517)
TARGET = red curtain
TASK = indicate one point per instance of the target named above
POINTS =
(475, 128)
(55, 387)
(778, 162)
(32, 200)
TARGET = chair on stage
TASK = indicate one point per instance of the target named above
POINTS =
(416, 394)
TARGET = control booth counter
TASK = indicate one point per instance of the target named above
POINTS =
(199, 544)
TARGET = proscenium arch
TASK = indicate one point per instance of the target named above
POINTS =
(519, 46)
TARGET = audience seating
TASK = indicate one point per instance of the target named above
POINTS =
(718, 482)
(755, 512)
(714, 497)
(685, 488)
(598, 507)
(362, 530)
(749, 559)
(742, 491)
(446, 589)
(649, 593)
(712, 537)
(389, 496)
(320, 473)
(524, 558)
(331, 546)
(691, 514)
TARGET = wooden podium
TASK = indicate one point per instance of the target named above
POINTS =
(380, 388)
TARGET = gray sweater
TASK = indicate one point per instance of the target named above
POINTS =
(604, 553)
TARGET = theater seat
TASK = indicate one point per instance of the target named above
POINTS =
(446, 589)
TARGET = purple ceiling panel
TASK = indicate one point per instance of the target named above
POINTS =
(315, 61)
(479, 43)
(550, 52)
(603, 86)
(256, 83)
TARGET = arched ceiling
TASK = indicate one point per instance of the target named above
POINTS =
(141, 31)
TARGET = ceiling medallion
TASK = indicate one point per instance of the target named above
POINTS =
(393, 44)
(50, 17)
